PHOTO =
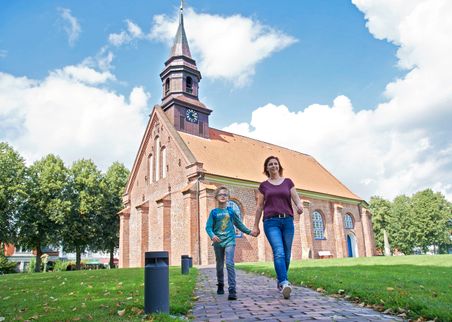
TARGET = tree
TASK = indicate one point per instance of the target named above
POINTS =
(432, 213)
(381, 217)
(113, 185)
(402, 228)
(12, 190)
(79, 229)
(46, 206)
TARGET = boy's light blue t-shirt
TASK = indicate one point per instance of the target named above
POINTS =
(221, 223)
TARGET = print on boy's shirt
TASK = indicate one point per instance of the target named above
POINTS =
(225, 222)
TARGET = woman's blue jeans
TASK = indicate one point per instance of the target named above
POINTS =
(220, 254)
(279, 232)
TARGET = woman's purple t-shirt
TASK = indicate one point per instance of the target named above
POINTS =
(277, 199)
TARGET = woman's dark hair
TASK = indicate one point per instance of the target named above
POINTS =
(266, 163)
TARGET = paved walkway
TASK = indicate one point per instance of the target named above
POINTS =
(258, 299)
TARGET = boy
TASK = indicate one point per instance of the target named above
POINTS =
(220, 228)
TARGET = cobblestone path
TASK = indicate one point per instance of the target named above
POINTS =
(259, 300)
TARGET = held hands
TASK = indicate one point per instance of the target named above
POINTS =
(255, 232)
(215, 239)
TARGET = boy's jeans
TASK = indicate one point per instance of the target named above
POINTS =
(279, 232)
(220, 253)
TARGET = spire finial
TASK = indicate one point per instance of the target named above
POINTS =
(181, 5)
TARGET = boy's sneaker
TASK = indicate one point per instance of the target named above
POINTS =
(232, 296)
(286, 290)
(220, 289)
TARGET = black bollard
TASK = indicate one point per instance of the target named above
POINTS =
(185, 264)
(156, 282)
(191, 262)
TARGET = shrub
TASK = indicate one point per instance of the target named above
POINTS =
(60, 265)
(6, 266)
(31, 266)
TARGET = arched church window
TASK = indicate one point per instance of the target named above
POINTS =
(348, 221)
(167, 86)
(151, 168)
(157, 158)
(319, 227)
(163, 162)
(235, 206)
(189, 84)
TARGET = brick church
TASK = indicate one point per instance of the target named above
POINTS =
(180, 162)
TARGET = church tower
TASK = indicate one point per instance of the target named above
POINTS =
(180, 82)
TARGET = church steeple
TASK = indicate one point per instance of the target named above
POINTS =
(180, 45)
(180, 82)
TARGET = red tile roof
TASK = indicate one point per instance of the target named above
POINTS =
(235, 156)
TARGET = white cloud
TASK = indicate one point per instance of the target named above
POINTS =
(126, 36)
(401, 146)
(70, 25)
(83, 74)
(225, 47)
(67, 114)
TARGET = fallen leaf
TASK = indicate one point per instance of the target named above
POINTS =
(129, 298)
(83, 305)
(389, 289)
(122, 312)
(6, 298)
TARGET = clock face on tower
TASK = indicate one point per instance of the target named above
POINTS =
(191, 116)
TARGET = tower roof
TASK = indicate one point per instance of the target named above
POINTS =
(180, 45)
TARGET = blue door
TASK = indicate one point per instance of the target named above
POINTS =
(349, 246)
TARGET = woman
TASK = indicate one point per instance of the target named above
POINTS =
(275, 199)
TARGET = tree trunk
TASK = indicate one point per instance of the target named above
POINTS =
(386, 243)
(112, 263)
(78, 256)
(38, 257)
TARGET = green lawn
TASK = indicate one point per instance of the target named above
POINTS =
(97, 295)
(418, 286)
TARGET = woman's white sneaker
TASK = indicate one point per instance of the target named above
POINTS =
(286, 290)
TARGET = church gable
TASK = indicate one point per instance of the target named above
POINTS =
(161, 151)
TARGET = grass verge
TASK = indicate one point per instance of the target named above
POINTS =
(416, 287)
(97, 295)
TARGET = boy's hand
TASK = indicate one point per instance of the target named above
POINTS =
(215, 239)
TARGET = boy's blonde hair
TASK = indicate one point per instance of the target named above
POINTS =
(217, 192)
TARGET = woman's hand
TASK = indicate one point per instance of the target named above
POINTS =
(215, 239)
(299, 209)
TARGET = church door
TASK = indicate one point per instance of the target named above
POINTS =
(350, 246)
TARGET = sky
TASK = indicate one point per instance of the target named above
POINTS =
(364, 86)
